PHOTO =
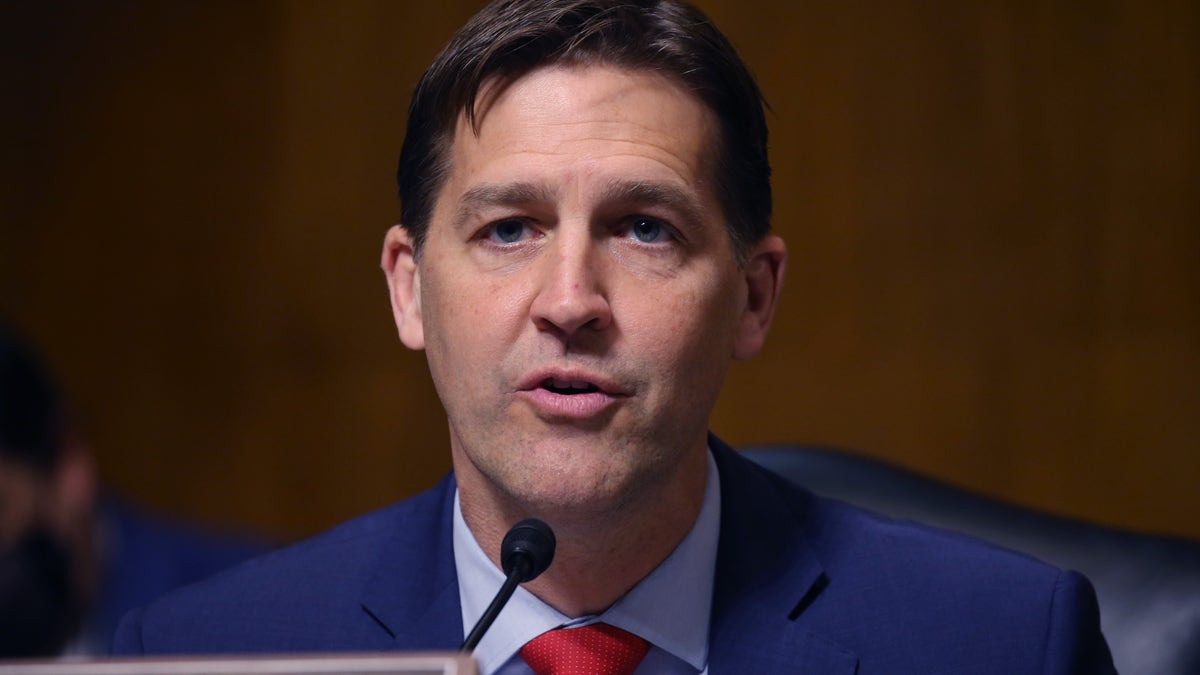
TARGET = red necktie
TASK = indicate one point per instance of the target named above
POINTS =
(598, 649)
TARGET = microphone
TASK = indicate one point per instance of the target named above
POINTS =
(526, 552)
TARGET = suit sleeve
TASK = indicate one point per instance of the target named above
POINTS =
(1074, 643)
(128, 638)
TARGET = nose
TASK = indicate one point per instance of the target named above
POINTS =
(571, 297)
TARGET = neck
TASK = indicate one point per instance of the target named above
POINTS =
(603, 550)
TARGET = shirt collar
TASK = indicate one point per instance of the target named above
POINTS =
(669, 608)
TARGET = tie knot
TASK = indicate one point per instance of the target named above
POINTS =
(598, 649)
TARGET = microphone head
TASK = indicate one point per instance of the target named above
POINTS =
(529, 548)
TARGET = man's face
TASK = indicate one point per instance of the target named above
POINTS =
(577, 293)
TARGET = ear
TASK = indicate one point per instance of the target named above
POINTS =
(399, 265)
(764, 279)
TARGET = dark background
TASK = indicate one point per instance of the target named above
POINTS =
(992, 210)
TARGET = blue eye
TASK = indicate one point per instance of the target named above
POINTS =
(508, 231)
(647, 230)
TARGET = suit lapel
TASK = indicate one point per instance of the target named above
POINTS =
(412, 595)
(766, 576)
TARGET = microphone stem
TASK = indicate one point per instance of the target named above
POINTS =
(489, 615)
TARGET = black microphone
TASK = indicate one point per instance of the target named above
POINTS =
(527, 550)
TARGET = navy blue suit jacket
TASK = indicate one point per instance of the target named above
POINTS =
(146, 556)
(804, 584)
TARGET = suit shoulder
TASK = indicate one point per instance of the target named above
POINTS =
(844, 535)
(995, 603)
(954, 589)
(309, 586)
(846, 532)
(869, 559)
(347, 545)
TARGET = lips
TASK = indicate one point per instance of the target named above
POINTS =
(569, 387)
(570, 395)
(572, 382)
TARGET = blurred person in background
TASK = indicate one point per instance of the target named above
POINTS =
(72, 559)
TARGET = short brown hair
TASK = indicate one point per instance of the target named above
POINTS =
(510, 38)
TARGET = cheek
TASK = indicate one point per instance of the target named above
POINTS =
(447, 307)
(449, 320)
(689, 331)
(469, 320)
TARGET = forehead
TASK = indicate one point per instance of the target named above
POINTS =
(585, 120)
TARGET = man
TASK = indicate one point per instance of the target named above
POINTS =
(584, 250)
(73, 562)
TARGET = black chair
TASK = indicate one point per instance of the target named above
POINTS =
(1148, 586)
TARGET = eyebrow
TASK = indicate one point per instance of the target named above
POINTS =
(667, 195)
(490, 195)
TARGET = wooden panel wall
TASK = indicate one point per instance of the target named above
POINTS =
(992, 210)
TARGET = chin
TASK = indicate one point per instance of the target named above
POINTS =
(578, 491)
(567, 474)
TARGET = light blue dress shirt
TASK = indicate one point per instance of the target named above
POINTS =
(669, 608)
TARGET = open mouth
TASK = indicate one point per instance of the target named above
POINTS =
(568, 387)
